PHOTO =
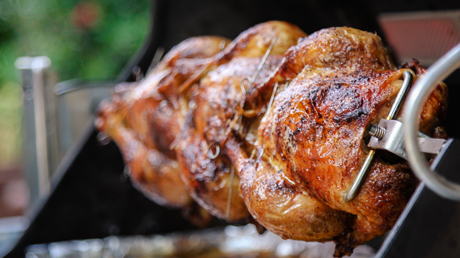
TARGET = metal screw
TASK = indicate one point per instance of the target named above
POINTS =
(377, 131)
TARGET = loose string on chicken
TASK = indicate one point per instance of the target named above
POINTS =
(235, 124)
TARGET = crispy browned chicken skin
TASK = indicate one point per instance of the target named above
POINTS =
(218, 96)
(144, 119)
(292, 132)
(147, 118)
(333, 85)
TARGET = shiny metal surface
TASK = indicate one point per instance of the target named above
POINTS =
(401, 94)
(39, 134)
(418, 95)
(432, 146)
(228, 242)
(393, 139)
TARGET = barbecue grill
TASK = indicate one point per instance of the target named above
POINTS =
(92, 198)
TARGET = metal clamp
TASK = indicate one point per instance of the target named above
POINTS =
(353, 191)
(418, 95)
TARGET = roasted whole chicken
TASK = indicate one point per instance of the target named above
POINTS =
(270, 128)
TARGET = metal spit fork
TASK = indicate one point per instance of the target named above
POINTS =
(404, 139)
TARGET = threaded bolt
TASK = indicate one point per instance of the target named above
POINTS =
(377, 131)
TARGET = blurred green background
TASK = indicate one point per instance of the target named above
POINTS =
(90, 39)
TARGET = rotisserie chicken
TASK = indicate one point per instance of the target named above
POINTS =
(270, 128)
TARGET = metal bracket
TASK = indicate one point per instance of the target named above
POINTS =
(388, 135)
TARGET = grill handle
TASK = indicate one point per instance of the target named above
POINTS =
(414, 103)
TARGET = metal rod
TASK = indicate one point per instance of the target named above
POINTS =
(39, 147)
(400, 97)
(351, 194)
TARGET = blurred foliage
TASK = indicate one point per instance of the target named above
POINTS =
(91, 39)
(10, 124)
